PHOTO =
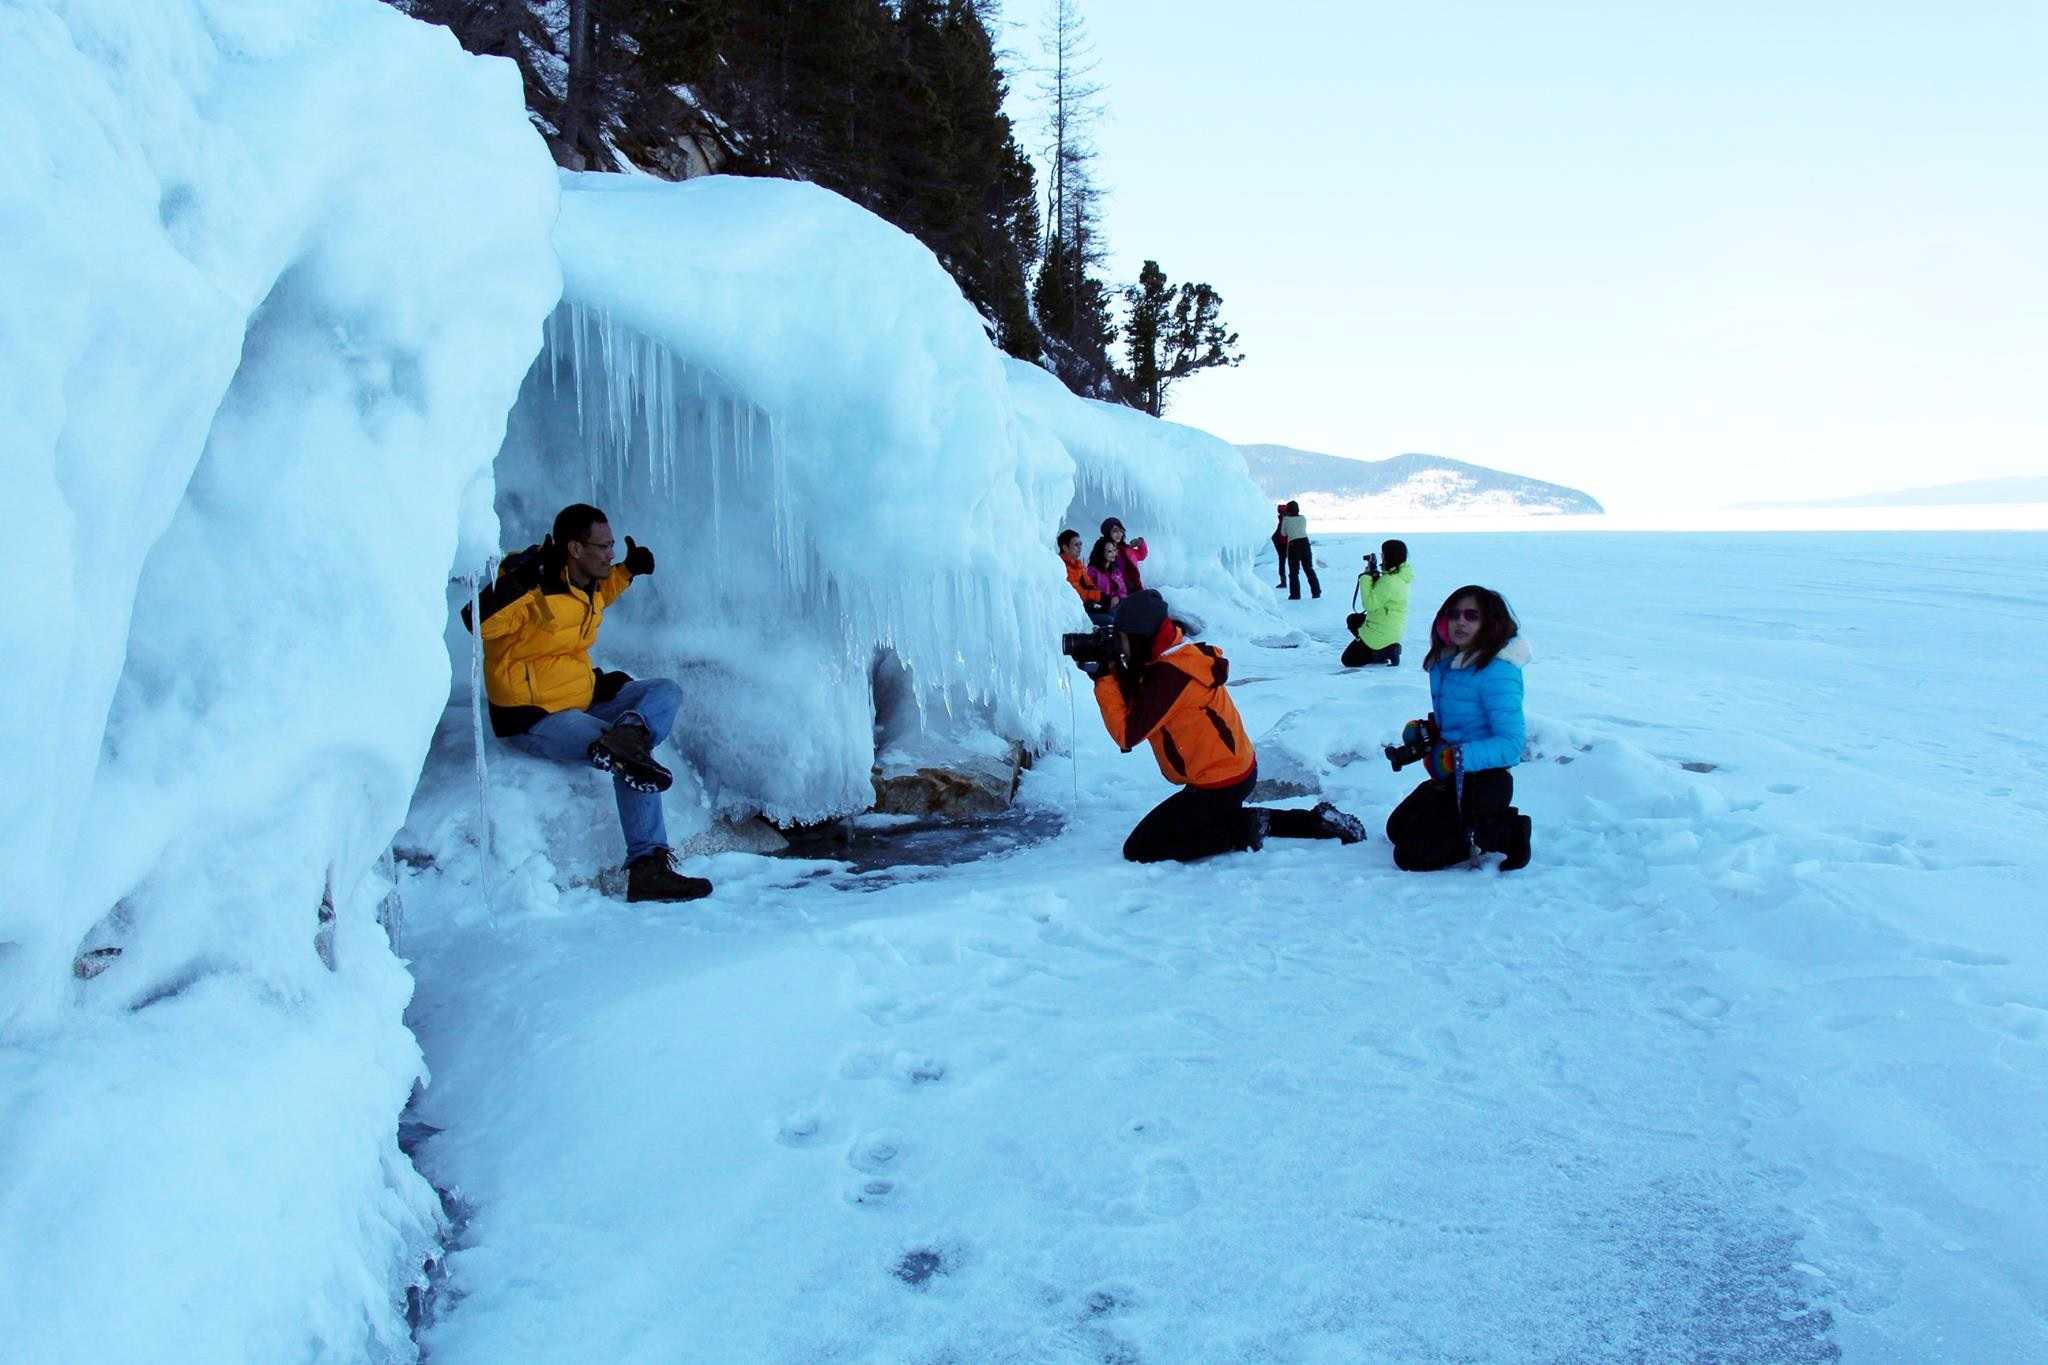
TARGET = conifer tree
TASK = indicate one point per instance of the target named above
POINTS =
(1170, 334)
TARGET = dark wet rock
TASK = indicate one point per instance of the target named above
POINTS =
(868, 846)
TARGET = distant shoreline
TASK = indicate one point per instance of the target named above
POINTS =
(2019, 517)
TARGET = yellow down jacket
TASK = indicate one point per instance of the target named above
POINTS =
(537, 645)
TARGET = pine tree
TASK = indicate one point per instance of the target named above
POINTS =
(1170, 334)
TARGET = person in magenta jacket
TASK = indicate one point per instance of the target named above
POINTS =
(1132, 552)
(1110, 572)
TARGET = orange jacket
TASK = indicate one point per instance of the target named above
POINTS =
(1077, 579)
(1179, 705)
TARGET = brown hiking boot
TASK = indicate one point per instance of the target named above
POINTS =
(627, 752)
(654, 878)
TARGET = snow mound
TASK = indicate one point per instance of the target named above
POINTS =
(285, 265)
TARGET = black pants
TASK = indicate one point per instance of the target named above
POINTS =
(1301, 560)
(1196, 822)
(1427, 831)
(1280, 558)
(1358, 654)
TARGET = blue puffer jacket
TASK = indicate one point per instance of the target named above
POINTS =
(1480, 709)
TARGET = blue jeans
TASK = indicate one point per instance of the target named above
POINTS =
(566, 737)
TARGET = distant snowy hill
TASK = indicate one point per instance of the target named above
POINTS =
(1331, 487)
(1973, 493)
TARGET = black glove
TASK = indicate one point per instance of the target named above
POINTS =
(639, 560)
(1094, 668)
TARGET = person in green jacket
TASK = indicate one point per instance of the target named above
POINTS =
(1383, 592)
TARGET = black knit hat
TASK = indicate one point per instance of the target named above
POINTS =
(1393, 553)
(1141, 614)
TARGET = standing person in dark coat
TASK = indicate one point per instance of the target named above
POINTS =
(1475, 662)
(1280, 543)
(1300, 556)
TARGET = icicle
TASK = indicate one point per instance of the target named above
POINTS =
(486, 841)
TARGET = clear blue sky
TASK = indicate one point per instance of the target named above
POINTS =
(1673, 254)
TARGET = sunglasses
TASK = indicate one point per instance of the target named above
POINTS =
(1472, 614)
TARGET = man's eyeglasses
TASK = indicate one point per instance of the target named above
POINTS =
(1472, 614)
(603, 547)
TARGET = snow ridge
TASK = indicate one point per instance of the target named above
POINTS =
(1332, 488)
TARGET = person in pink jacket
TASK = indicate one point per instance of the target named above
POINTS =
(1132, 552)
(1111, 572)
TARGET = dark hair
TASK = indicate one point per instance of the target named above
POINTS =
(1293, 508)
(1393, 554)
(1069, 534)
(1496, 627)
(574, 522)
(1095, 555)
(1108, 522)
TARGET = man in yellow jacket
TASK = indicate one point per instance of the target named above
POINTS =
(539, 620)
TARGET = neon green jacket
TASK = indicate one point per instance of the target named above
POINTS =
(1385, 605)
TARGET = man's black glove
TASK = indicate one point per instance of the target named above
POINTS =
(639, 560)
(1094, 668)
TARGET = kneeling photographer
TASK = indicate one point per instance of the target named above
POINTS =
(1155, 687)
(1475, 734)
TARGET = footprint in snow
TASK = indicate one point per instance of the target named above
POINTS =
(804, 1128)
(871, 1193)
(861, 1063)
(1697, 1006)
(875, 1153)
(1169, 1188)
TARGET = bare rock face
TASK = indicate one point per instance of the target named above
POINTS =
(947, 781)
(947, 763)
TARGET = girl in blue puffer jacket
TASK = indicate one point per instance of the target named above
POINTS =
(1475, 662)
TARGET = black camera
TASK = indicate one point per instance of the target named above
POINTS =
(1095, 647)
(1372, 565)
(1418, 739)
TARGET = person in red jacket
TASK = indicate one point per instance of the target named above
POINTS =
(1168, 692)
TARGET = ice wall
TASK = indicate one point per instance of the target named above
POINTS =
(792, 404)
(790, 401)
(273, 270)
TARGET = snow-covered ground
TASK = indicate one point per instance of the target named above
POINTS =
(1749, 1065)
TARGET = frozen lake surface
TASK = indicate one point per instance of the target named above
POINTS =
(1749, 1065)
